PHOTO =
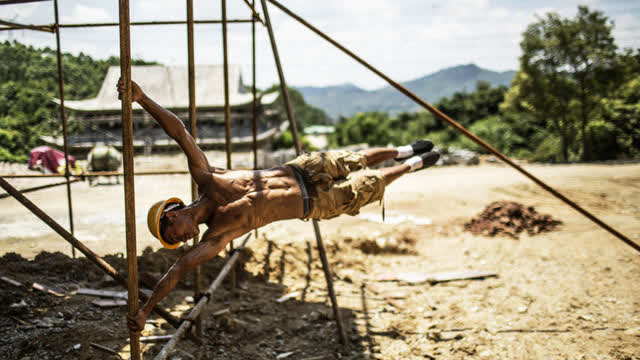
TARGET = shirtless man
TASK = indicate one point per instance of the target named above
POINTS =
(232, 203)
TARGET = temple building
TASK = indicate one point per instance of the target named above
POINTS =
(100, 120)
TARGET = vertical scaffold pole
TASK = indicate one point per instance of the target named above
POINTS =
(64, 122)
(129, 190)
(254, 108)
(294, 131)
(194, 132)
(227, 110)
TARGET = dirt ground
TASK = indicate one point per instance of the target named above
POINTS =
(571, 293)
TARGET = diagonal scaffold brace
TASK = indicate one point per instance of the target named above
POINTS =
(459, 128)
(204, 300)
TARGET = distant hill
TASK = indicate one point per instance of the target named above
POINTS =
(348, 99)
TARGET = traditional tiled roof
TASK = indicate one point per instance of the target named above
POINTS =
(168, 86)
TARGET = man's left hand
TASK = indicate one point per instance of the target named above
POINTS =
(136, 323)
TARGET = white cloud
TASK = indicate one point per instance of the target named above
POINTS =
(406, 39)
(86, 14)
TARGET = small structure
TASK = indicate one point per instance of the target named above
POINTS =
(318, 135)
(100, 117)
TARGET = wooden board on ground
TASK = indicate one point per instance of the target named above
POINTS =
(419, 278)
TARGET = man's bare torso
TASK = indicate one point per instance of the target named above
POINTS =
(250, 199)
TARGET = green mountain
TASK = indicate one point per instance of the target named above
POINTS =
(348, 99)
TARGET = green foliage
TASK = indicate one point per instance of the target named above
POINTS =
(285, 141)
(622, 111)
(29, 82)
(379, 129)
(495, 131)
(567, 67)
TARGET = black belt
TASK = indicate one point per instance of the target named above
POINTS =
(306, 205)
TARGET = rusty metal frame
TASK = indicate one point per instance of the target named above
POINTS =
(129, 173)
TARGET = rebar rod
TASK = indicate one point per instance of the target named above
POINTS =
(129, 188)
(95, 174)
(252, 6)
(151, 23)
(195, 312)
(459, 128)
(254, 107)
(10, 2)
(194, 133)
(227, 108)
(342, 335)
(16, 26)
(41, 187)
(63, 118)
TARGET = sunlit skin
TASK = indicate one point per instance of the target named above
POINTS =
(230, 203)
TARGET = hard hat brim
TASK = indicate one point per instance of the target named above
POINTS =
(157, 217)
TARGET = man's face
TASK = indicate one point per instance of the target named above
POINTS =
(180, 227)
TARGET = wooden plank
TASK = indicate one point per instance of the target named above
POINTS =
(102, 293)
(444, 276)
(377, 291)
(10, 281)
(109, 303)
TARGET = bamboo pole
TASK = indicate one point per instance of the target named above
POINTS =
(129, 188)
(342, 335)
(64, 123)
(459, 128)
(197, 309)
(194, 133)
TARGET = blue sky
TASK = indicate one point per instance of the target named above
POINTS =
(406, 39)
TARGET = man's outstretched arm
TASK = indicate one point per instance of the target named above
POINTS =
(173, 126)
(205, 250)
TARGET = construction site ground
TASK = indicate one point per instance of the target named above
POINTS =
(571, 293)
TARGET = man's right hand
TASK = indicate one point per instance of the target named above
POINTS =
(136, 93)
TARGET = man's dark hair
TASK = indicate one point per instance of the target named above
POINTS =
(164, 222)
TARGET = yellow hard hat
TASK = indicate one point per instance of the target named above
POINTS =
(153, 220)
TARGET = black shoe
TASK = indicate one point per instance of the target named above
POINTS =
(429, 159)
(419, 147)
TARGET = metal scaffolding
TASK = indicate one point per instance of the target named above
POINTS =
(130, 281)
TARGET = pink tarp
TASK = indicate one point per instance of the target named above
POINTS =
(49, 158)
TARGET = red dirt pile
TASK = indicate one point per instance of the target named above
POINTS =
(510, 218)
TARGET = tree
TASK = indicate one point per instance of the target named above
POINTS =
(566, 68)
(28, 84)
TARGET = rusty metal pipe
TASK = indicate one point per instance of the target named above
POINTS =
(129, 188)
(459, 128)
(41, 187)
(64, 123)
(253, 10)
(16, 26)
(194, 133)
(254, 107)
(227, 108)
